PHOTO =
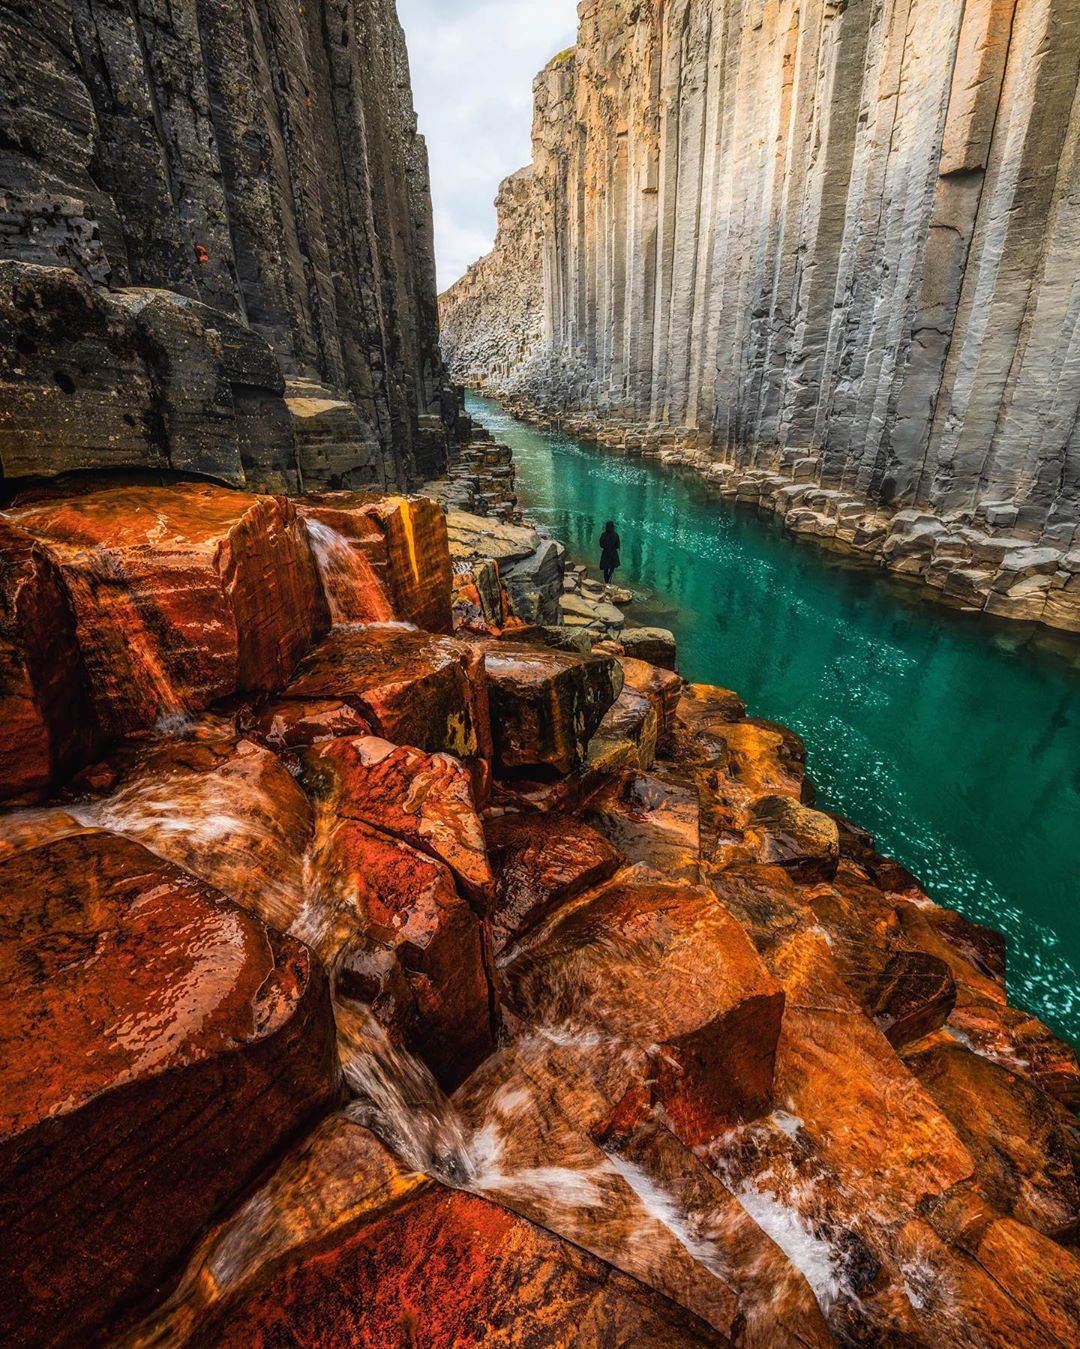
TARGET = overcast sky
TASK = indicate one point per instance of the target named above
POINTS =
(473, 64)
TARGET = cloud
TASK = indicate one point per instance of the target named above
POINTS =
(473, 63)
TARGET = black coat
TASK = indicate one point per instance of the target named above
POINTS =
(610, 543)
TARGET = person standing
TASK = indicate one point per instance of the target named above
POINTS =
(610, 543)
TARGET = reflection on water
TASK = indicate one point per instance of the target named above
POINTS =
(955, 738)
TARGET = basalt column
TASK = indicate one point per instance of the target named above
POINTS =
(215, 244)
(838, 235)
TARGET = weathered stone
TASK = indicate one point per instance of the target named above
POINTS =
(655, 645)
(664, 971)
(652, 818)
(270, 227)
(1017, 1135)
(47, 723)
(179, 1045)
(425, 799)
(547, 705)
(414, 688)
(541, 862)
(784, 833)
(284, 725)
(390, 925)
(181, 595)
(401, 565)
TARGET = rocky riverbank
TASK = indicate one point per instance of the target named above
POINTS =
(825, 254)
(373, 975)
(963, 566)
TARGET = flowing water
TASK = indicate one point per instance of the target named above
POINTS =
(954, 737)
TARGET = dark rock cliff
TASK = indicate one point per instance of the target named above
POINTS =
(231, 201)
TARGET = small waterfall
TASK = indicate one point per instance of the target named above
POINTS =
(353, 591)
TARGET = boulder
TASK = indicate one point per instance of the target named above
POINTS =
(226, 810)
(425, 799)
(531, 567)
(389, 924)
(1017, 1134)
(47, 722)
(782, 832)
(412, 687)
(662, 687)
(402, 557)
(655, 645)
(179, 1045)
(633, 716)
(283, 725)
(540, 863)
(181, 595)
(547, 705)
(652, 818)
(661, 972)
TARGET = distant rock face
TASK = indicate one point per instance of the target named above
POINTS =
(827, 235)
(247, 180)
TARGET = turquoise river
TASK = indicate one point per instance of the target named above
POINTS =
(953, 737)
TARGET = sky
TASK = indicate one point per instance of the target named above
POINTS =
(473, 63)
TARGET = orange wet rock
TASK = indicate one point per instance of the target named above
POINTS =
(540, 862)
(413, 687)
(701, 709)
(1019, 1136)
(177, 1045)
(283, 725)
(662, 687)
(226, 810)
(546, 705)
(447, 1270)
(47, 723)
(426, 799)
(633, 716)
(182, 595)
(406, 558)
(653, 818)
(662, 971)
(390, 925)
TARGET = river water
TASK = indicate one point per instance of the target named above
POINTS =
(953, 737)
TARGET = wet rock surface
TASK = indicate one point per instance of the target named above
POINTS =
(630, 1044)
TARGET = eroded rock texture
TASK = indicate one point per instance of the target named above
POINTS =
(825, 244)
(215, 244)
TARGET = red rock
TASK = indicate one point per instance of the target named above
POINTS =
(47, 724)
(414, 688)
(547, 705)
(226, 810)
(158, 1047)
(633, 716)
(426, 799)
(652, 818)
(895, 1146)
(1016, 1133)
(284, 725)
(782, 832)
(182, 595)
(702, 709)
(662, 687)
(405, 544)
(540, 863)
(446, 1270)
(661, 969)
(398, 937)
(642, 1202)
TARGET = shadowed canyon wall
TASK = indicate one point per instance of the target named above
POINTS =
(215, 243)
(833, 239)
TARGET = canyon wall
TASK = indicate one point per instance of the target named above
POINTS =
(215, 244)
(835, 240)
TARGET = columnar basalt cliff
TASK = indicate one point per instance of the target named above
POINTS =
(215, 244)
(824, 252)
